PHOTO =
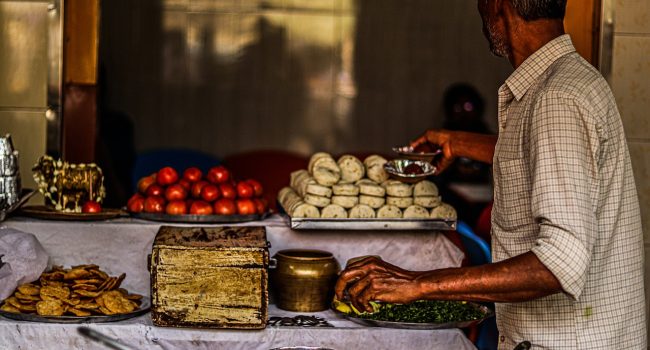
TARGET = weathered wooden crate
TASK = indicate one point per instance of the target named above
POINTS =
(210, 277)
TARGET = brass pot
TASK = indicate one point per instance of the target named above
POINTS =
(303, 279)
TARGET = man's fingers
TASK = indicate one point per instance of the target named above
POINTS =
(348, 276)
(419, 141)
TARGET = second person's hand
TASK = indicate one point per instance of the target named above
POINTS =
(441, 138)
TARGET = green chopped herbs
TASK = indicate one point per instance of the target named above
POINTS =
(425, 311)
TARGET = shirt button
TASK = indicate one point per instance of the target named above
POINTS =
(502, 338)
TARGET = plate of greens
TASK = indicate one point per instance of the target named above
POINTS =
(421, 314)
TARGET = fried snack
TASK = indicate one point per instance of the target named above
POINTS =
(55, 292)
(79, 312)
(117, 303)
(50, 308)
(82, 290)
(8, 308)
(26, 298)
(29, 289)
(76, 273)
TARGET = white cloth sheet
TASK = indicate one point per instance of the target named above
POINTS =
(24, 259)
(123, 245)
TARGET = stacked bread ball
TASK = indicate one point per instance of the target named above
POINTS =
(349, 188)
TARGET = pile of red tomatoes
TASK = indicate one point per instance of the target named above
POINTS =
(216, 193)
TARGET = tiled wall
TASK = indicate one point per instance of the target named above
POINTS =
(631, 86)
(224, 76)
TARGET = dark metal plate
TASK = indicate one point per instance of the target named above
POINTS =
(206, 219)
(407, 325)
(144, 308)
(47, 213)
(25, 195)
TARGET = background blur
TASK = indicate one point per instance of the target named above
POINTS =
(300, 75)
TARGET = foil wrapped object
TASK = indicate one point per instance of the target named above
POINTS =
(10, 186)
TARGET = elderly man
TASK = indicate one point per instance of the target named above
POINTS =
(566, 230)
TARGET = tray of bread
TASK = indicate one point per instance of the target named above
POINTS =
(348, 194)
(80, 294)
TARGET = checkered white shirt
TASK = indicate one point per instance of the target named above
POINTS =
(564, 190)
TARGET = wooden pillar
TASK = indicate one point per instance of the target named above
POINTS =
(81, 28)
(582, 21)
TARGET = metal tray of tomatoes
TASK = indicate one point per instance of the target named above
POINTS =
(206, 219)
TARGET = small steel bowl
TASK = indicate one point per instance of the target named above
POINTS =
(396, 169)
(409, 153)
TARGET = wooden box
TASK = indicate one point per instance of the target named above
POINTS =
(210, 277)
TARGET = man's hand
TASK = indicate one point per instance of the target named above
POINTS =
(442, 139)
(373, 279)
(458, 144)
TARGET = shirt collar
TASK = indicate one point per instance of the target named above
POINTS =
(536, 64)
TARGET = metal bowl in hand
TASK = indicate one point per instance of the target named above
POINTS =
(408, 170)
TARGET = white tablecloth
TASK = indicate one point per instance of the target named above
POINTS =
(123, 245)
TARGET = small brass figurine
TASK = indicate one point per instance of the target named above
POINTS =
(68, 186)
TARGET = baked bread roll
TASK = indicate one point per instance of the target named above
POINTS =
(304, 210)
(318, 190)
(345, 189)
(375, 168)
(400, 202)
(389, 212)
(425, 188)
(443, 211)
(372, 201)
(314, 158)
(351, 168)
(296, 177)
(372, 189)
(416, 212)
(427, 201)
(326, 177)
(334, 211)
(317, 201)
(345, 201)
(374, 159)
(362, 211)
(399, 189)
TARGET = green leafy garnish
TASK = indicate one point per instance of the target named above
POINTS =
(424, 311)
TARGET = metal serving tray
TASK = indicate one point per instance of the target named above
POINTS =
(407, 325)
(371, 224)
(143, 309)
(206, 219)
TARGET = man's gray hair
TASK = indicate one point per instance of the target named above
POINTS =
(531, 10)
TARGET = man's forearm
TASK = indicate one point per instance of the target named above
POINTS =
(521, 278)
(479, 147)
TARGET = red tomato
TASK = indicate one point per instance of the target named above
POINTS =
(244, 190)
(210, 193)
(177, 207)
(136, 204)
(145, 182)
(155, 190)
(154, 204)
(175, 192)
(225, 206)
(91, 207)
(192, 174)
(200, 208)
(246, 207)
(260, 206)
(197, 187)
(228, 191)
(186, 184)
(167, 176)
(257, 187)
(218, 175)
(134, 197)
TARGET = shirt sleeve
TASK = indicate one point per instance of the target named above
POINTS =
(564, 167)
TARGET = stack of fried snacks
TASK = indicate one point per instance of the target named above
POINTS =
(82, 290)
